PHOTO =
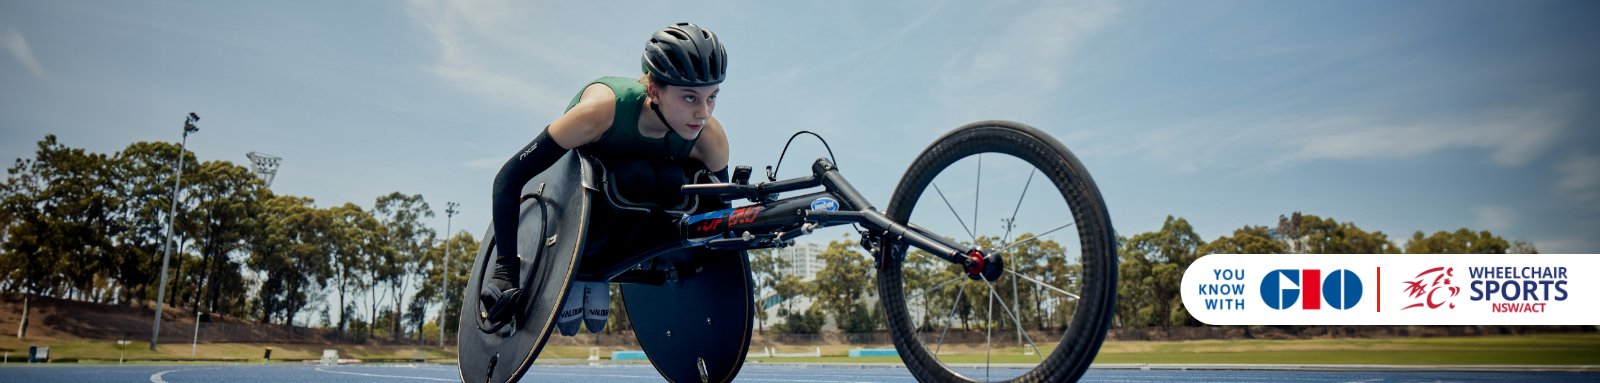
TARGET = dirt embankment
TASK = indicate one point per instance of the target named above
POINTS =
(52, 318)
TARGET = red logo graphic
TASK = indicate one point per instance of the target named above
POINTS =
(1423, 291)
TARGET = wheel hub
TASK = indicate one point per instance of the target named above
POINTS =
(983, 266)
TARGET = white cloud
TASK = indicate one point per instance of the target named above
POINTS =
(493, 49)
(1495, 218)
(1512, 137)
(1017, 68)
(1509, 137)
(17, 45)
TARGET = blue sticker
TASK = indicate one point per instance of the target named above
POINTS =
(711, 215)
(825, 204)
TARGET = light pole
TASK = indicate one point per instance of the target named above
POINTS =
(161, 290)
(449, 213)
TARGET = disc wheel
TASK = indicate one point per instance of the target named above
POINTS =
(552, 227)
(1012, 190)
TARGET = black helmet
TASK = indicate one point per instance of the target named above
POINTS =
(684, 54)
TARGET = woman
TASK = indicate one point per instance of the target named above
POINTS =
(683, 66)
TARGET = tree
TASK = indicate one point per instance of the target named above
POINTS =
(1522, 247)
(80, 202)
(1315, 235)
(58, 209)
(386, 322)
(416, 315)
(842, 283)
(62, 207)
(1047, 261)
(930, 283)
(766, 267)
(1155, 264)
(807, 322)
(293, 253)
(358, 237)
(446, 283)
(791, 287)
(28, 255)
(143, 184)
(1245, 240)
(402, 215)
(228, 203)
(1461, 241)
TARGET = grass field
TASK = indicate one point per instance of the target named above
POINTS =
(1561, 349)
(137, 351)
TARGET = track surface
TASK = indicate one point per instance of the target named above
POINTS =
(750, 373)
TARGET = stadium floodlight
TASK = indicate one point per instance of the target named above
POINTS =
(266, 165)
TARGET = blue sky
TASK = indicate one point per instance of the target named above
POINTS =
(1399, 116)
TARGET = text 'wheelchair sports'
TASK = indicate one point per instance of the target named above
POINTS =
(1051, 292)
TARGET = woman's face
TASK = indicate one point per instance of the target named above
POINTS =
(687, 109)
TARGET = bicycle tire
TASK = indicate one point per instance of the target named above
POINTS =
(1097, 240)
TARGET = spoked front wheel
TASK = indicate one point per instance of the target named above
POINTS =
(1012, 190)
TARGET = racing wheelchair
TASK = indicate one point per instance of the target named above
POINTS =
(691, 299)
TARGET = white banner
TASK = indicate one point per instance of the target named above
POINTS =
(1394, 289)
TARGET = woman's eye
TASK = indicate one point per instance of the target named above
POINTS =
(713, 98)
(688, 99)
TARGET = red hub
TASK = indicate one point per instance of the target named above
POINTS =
(975, 268)
(980, 266)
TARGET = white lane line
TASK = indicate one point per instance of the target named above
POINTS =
(743, 374)
(742, 379)
(604, 375)
(156, 377)
(797, 380)
(319, 369)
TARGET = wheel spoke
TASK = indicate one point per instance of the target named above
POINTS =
(947, 319)
(1018, 297)
(977, 192)
(1051, 271)
(936, 287)
(1013, 220)
(988, 339)
(1014, 317)
(1036, 236)
(953, 212)
(1037, 282)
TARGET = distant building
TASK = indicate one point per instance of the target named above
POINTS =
(803, 260)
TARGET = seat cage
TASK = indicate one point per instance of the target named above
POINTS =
(597, 178)
(603, 183)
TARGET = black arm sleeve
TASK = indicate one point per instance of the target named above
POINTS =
(532, 160)
(722, 175)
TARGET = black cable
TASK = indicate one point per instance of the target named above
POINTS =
(772, 171)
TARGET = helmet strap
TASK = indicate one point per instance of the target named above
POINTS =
(664, 139)
(657, 108)
(667, 138)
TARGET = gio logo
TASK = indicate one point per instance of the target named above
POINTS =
(1281, 288)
